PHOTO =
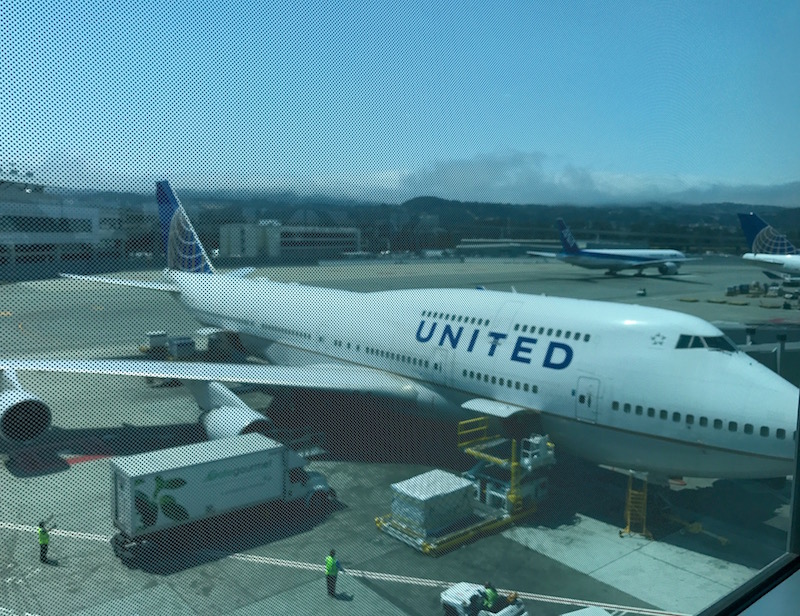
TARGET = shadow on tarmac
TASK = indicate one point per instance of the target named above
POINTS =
(729, 519)
(198, 543)
(733, 515)
(47, 455)
(365, 429)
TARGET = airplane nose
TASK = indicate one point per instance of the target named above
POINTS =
(775, 397)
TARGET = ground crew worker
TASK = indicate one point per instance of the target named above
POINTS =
(332, 568)
(490, 600)
(44, 541)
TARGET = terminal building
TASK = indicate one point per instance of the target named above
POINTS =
(41, 232)
(272, 241)
(475, 247)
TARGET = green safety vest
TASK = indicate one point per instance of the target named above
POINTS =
(330, 566)
(44, 538)
(491, 597)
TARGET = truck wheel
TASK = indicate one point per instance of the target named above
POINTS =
(116, 544)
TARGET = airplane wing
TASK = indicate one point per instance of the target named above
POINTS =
(656, 262)
(534, 253)
(330, 377)
(242, 272)
(780, 276)
(128, 282)
(323, 377)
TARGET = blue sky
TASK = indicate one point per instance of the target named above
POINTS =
(519, 102)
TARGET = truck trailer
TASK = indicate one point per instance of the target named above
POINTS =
(156, 493)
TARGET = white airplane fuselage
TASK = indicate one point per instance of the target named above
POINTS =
(621, 259)
(787, 263)
(623, 385)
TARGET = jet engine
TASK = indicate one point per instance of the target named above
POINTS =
(668, 268)
(224, 413)
(226, 421)
(23, 416)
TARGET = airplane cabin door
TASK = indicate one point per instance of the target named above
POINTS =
(442, 360)
(503, 320)
(586, 399)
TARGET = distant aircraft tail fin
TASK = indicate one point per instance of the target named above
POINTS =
(184, 251)
(762, 238)
(568, 242)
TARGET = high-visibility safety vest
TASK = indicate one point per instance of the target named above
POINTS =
(491, 597)
(44, 538)
(330, 566)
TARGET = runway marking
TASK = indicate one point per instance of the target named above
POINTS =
(372, 575)
(58, 532)
(403, 579)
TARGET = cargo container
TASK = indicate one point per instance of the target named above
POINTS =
(158, 491)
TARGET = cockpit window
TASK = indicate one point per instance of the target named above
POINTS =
(718, 343)
(721, 343)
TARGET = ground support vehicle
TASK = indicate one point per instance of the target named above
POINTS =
(465, 599)
(158, 493)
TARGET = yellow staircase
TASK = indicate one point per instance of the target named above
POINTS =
(636, 508)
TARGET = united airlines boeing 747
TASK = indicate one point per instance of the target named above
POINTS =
(623, 385)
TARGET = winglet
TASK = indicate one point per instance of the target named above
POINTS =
(184, 251)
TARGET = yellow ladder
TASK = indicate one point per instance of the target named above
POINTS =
(471, 431)
(636, 509)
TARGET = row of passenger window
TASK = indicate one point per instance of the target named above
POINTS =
(568, 335)
(457, 318)
(499, 380)
(703, 422)
(405, 359)
(284, 330)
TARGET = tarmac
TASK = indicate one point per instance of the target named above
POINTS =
(709, 536)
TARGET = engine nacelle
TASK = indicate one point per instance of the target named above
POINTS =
(228, 421)
(668, 268)
(224, 413)
(23, 416)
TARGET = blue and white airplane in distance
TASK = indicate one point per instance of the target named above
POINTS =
(613, 260)
(628, 386)
(769, 248)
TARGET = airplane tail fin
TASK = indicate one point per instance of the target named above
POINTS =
(184, 251)
(762, 238)
(568, 242)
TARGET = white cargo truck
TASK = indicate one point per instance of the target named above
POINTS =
(154, 493)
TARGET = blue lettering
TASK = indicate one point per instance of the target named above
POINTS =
(472, 341)
(430, 333)
(518, 348)
(565, 361)
(448, 333)
(496, 338)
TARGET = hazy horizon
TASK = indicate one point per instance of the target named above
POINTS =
(584, 103)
